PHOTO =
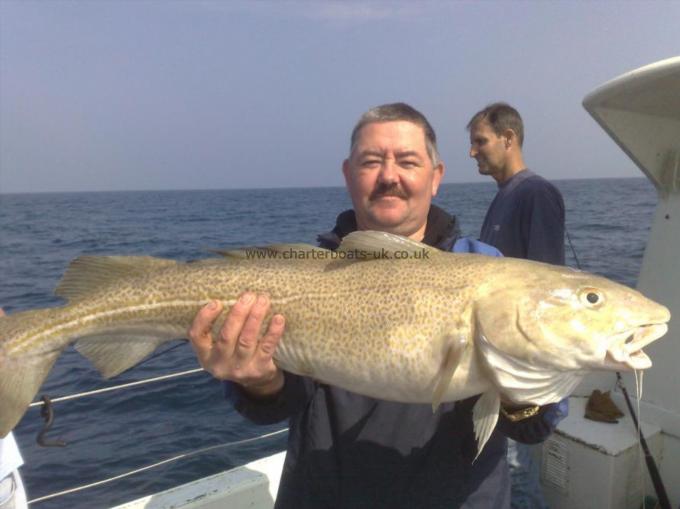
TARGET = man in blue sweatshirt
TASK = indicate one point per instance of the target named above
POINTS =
(346, 450)
(524, 220)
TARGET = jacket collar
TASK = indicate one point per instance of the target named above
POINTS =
(441, 230)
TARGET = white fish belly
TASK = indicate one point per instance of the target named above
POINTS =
(395, 377)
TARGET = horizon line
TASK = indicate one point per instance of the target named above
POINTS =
(279, 187)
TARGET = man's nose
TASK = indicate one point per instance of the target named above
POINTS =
(473, 151)
(388, 171)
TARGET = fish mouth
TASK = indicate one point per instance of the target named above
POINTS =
(625, 352)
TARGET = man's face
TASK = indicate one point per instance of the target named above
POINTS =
(488, 149)
(391, 179)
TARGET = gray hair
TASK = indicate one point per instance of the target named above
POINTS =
(500, 116)
(396, 112)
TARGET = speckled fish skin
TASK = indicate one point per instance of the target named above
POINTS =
(384, 328)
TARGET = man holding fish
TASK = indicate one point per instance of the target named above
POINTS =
(346, 449)
(371, 346)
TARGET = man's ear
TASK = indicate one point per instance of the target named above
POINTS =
(346, 170)
(510, 137)
(439, 171)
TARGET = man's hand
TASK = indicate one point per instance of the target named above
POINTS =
(2, 313)
(237, 354)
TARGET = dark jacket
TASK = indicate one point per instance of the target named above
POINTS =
(350, 451)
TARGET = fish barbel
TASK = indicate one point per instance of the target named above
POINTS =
(383, 316)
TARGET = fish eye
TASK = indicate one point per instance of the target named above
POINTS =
(591, 297)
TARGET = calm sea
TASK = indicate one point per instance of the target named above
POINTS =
(110, 434)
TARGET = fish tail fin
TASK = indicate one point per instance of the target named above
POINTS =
(23, 368)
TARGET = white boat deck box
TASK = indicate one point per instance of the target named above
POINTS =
(594, 465)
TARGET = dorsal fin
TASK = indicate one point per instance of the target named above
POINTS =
(278, 251)
(371, 245)
(241, 253)
(88, 273)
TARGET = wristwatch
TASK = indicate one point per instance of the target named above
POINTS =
(521, 414)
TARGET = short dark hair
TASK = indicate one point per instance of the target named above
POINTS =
(500, 116)
(395, 112)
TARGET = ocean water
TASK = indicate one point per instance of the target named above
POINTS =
(608, 223)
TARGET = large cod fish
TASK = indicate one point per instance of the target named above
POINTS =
(434, 327)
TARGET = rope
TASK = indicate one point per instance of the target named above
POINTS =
(122, 386)
(154, 465)
(578, 263)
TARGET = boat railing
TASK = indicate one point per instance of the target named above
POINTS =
(46, 402)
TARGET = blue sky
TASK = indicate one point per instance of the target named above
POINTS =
(122, 95)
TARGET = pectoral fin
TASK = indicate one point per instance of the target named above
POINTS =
(485, 417)
(453, 354)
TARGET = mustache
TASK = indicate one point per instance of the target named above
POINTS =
(384, 190)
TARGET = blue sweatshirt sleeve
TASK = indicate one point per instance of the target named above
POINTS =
(296, 393)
